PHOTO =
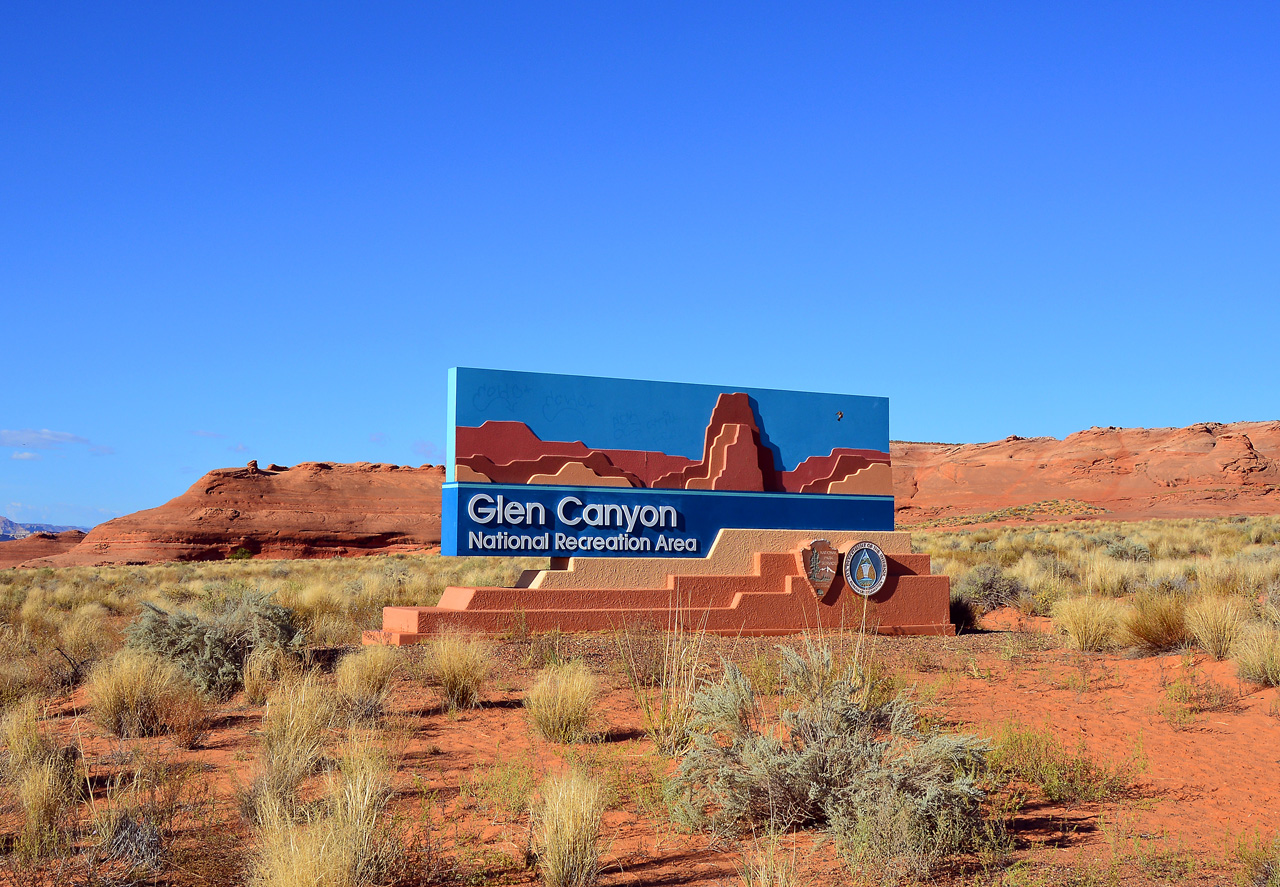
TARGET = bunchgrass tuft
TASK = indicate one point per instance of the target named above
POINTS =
(664, 669)
(567, 830)
(1156, 622)
(136, 694)
(364, 680)
(1258, 655)
(1216, 623)
(346, 843)
(561, 701)
(297, 727)
(1090, 622)
(458, 667)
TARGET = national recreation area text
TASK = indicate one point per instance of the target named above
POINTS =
(579, 520)
(517, 520)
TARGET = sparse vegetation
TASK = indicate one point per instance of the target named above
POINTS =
(159, 814)
(1059, 773)
(561, 701)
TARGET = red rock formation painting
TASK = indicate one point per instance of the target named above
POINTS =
(734, 457)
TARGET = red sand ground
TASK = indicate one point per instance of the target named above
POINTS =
(1207, 781)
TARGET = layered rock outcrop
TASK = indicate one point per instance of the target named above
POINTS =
(315, 509)
(37, 545)
(1208, 469)
(320, 509)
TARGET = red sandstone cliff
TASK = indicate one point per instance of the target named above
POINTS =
(315, 509)
(1132, 473)
(37, 545)
(321, 510)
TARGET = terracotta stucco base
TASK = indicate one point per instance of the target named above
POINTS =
(750, 583)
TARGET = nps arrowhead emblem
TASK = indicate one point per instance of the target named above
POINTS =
(819, 560)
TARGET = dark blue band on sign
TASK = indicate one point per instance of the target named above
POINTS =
(555, 521)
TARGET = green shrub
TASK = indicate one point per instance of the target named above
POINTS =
(1261, 860)
(988, 588)
(964, 612)
(896, 795)
(212, 649)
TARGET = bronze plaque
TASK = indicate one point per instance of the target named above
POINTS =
(820, 562)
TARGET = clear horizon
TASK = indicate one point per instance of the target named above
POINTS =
(242, 233)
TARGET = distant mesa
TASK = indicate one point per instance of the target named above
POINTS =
(37, 545)
(314, 509)
(734, 457)
(323, 509)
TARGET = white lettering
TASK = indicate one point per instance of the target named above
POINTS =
(514, 513)
(485, 512)
(662, 516)
(560, 511)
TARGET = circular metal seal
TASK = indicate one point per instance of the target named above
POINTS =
(866, 568)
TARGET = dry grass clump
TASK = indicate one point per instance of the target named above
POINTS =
(135, 694)
(346, 845)
(364, 680)
(1216, 623)
(567, 830)
(561, 699)
(296, 728)
(263, 668)
(766, 864)
(46, 779)
(1258, 655)
(1156, 622)
(1091, 623)
(664, 676)
(458, 667)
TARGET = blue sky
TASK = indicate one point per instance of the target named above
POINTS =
(265, 231)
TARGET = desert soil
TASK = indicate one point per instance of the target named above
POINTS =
(1206, 781)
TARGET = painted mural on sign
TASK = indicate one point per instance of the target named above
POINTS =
(588, 466)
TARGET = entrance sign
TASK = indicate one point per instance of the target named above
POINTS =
(581, 466)
(753, 511)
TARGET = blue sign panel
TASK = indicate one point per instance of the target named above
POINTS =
(583, 466)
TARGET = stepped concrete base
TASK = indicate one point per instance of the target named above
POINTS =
(750, 583)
